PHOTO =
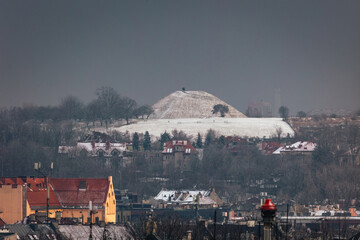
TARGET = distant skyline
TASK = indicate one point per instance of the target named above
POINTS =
(239, 51)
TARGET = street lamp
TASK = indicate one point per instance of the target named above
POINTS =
(37, 167)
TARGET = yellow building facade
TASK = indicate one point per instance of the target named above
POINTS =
(68, 198)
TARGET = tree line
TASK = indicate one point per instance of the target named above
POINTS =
(108, 106)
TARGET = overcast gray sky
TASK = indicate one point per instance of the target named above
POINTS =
(240, 51)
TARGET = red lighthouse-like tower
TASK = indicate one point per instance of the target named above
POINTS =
(268, 213)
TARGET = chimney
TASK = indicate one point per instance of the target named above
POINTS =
(188, 235)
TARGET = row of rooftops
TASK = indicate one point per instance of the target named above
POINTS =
(67, 193)
(112, 149)
(107, 149)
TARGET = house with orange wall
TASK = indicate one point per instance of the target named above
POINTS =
(68, 198)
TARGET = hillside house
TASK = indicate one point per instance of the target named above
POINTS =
(188, 198)
(299, 151)
(94, 149)
(352, 157)
(177, 154)
(267, 148)
(301, 147)
(68, 198)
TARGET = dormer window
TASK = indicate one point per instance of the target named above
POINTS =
(101, 153)
(82, 185)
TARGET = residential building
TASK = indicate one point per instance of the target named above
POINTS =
(352, 157)
(94, 149)
(267, 148)
(188, 198)
(177, 154)
(68, 198)
(301, 147)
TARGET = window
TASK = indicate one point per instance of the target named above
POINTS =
(188, 150)
(101, 153)
(82, 185)
(115, 153)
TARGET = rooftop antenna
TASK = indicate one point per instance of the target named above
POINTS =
(46, 175)
(92, 210)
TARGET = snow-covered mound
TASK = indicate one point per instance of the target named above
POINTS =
(243, 127)
(190, 104)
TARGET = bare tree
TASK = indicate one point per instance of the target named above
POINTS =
(71, 108)
(128, 106)
(108, 99)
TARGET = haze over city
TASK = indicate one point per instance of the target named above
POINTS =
(240, 51)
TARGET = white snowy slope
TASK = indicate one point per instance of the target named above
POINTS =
(190, 104)
(244, 127)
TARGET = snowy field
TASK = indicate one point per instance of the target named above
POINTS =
(244, 127)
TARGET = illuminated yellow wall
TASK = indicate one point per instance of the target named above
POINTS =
(11, 206)
(82, 214)
(108, 214)
(11, 203)
(110, 204)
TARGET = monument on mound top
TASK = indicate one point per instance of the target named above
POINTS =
(191, 104)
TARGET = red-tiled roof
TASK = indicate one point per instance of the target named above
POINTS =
(71, 192)
(11, 181)
(78, 192)
(36, 193)
(2, 223)
(171, 144)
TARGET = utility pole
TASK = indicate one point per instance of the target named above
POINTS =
(287, 221)
(37, 167)
(91, 214)
(215, 225)
(92, 210)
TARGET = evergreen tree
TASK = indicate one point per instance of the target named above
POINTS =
(165, 137)
(210, 137)
(199, 143)
(221, 140)
(135, 141)
(147, 141)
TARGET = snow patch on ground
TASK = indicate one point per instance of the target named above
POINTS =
(243, 127)
(190, 104)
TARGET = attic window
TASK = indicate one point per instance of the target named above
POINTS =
(187, 150)
(82, 185)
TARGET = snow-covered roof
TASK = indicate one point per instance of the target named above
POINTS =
(65, 149)
(94, 148)
(184, 196)
(301, 146)
(242, 127)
